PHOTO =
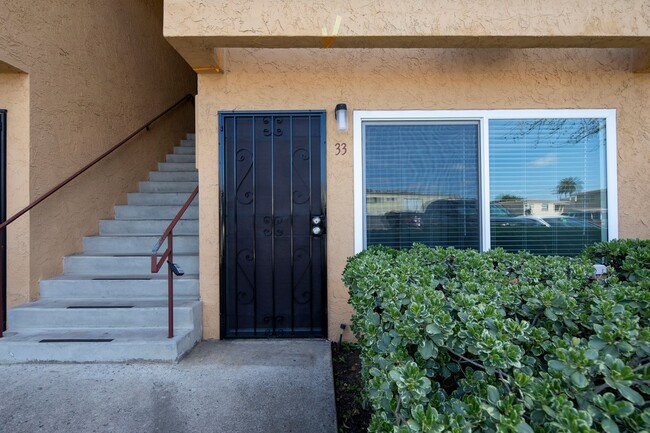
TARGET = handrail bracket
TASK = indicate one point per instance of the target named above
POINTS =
(168, 256)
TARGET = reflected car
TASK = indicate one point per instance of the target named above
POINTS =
(455, 222)
(404, 219)
(596, 218)
(564, 221)
(561, 235)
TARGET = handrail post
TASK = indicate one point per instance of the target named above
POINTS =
(170, 286)
(156, 265)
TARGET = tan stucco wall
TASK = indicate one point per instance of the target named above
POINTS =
(14, 97)
(407, 23)
(97, 70)
(394, 79)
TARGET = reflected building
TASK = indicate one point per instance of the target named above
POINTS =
(541, 208)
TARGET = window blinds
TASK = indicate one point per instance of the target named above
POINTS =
(549, 175)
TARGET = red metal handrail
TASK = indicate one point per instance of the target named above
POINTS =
(168, 256)
(3, 226)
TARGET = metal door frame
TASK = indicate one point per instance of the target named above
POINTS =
(3, 210)
(222, 206)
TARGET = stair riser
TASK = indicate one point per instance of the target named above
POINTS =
(167, 186)
(147, 227)
(27, 318)
(160, 351)
(181, 158)
(139, 332)
(160, 199)
(154, 212)
(174, 176)
(117, 289)
(184, 150)
(176, 166)
(121, 245)
(129, 265)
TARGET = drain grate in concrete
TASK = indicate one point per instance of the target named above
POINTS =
(80, 307)
(121, 279)
(76, 340)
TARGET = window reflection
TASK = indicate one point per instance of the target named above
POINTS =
(548, 189)
(422, 184)
(550, 173)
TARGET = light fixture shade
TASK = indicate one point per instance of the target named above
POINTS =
(341, 115)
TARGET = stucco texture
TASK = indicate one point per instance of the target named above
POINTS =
(14, 97)
(409, 23)
(383, 79)
(96, 70)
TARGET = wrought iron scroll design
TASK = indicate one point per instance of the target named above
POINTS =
(273, 322)
(245, 295)
(268, 231)
(273, 130)
(245, 165)
(301, 256)
(300, 197)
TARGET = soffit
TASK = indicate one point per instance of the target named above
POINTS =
(196, 27)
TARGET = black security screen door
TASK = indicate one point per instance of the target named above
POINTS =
(273, 224)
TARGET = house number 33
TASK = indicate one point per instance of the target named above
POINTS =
(341, 149)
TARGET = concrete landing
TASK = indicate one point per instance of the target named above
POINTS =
(221, 386)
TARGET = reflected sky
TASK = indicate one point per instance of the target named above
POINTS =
(529, 157)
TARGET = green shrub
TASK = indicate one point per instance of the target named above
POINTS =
(629, 258)
(461, 341)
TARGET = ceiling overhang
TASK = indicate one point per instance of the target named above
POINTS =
(199, 28)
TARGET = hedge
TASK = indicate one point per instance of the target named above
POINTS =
(460, 341)
(628, 259)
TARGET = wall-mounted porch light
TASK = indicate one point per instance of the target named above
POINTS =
(341, 115)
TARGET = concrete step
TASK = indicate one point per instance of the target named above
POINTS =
(104, 313)
(191, 136)
(172, 157)
(167, 186)
(176, 166)
(174, 176)
(184, 150)
(159, 198)
(128, 344)
(108, 306)
(120, 245)
(123, 265)
(168, 213)
(110, 286)
(146, 227)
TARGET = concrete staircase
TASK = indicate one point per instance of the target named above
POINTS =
(107, 306)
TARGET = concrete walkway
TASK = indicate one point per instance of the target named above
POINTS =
(226, 386)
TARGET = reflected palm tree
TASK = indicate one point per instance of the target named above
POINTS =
(568, 186)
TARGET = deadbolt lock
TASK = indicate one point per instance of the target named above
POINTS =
(318, 225)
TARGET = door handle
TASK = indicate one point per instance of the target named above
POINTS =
(318, 225)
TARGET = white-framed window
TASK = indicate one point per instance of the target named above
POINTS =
(485, 178)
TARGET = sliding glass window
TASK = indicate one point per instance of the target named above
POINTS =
(536, 180)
